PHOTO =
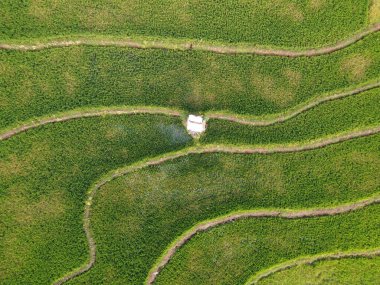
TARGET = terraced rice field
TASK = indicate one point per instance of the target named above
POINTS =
(100, 183)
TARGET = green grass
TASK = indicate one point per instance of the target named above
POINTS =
(45, 173)
(374, 11)
(44, 176)
(342, 115)
(135, 219)
(297, 23)
(229, 254)
(36, 84)
(345, 271)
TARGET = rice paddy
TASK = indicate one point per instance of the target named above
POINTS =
(100, 183)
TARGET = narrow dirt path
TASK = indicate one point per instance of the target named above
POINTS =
(130, 110)
(88, 114)
(311, 260)
(215, 149)
(195, 45)
(164, 260)
(280, 118)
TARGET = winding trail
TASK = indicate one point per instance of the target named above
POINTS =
(172, 44)
(204, 226)
(222, 49)
(310, 260)
(286, 214)
(282, 117)
(265, 120)
(72, 115)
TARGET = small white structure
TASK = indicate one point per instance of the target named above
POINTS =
(195, 124)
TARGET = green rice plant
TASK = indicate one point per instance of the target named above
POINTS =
(374, 11)
(230, 253)
(136, 216)
(35, 84)
(344, 271)
(296, 23)
(329, 118)
(44, 177)
(46, 172)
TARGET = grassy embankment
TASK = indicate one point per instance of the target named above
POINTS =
(230, 253)
(44, 177)
(344, 271)
(36, 84)
(342, 115)
(135, 219)
(297, 23)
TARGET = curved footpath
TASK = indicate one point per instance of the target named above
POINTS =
(216, 149)
(130, 110)
(282, 117)
(311, 260)
(286, 214)
(173, 44)
(88, 113)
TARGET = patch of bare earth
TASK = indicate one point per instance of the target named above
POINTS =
(21, 165)
(212, 86)
(39, 10)
(286, 10)
(316, 4)
(47, 207)
(5, 68)
(269, 89)
(293, 77)
(356, 66)
(200, 95)
(98, 19)
(72, 83)
(374, 11)
(12, 166)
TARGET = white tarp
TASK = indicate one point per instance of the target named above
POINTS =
(196, 124)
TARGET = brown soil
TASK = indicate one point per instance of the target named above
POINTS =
(84, 114)
(245, 121)
(199, 46)
(205, 226)
(285, 117)
(256, 214)
(312, 260)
